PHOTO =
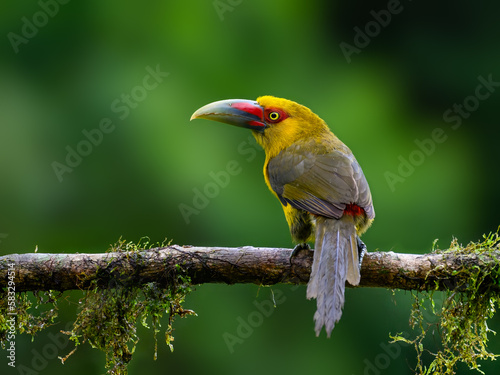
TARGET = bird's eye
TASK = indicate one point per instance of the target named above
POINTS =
(274, 116)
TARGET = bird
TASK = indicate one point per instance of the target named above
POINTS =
(320, 185)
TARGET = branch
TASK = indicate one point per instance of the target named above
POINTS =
(266, 266)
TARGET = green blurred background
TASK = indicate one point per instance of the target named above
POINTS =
(86, 55)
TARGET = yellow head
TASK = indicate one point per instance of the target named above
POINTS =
(276, 123)
(287, 122)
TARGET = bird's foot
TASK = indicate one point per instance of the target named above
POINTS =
(298, 248)
(361, 250)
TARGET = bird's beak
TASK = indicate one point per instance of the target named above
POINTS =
(240, 112)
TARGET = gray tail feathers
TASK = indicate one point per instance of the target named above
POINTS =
(335, 261)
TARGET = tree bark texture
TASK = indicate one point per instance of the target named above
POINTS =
(263, 266)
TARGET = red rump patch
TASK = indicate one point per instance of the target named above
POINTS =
(248, 108)
(353, 209)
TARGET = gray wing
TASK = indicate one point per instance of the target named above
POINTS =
(320, 183)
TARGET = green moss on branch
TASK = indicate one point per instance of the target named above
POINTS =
(462, 326)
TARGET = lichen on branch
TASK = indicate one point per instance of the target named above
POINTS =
(132, 283)
(461, 327)
(109, 314)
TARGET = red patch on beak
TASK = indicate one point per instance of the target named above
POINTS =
(256, 123)
(249, 108)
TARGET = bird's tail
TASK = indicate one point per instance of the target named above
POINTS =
(335, 261)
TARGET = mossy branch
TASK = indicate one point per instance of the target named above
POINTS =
(266, 266)
(132, 283)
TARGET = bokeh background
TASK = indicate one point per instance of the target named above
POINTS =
(396, 89)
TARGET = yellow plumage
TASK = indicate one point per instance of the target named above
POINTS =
(320, 185)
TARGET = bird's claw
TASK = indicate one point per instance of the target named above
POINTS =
(298, 248)
(361, 250)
